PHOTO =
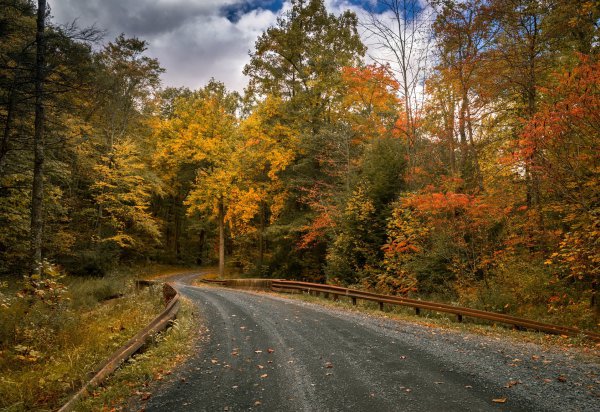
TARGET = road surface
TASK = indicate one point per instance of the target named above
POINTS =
(263, 352)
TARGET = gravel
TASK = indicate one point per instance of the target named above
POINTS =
(260, 351)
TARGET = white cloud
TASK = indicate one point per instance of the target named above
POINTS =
(192, 39)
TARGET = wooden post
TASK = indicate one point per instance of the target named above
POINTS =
(459, 317)
(417, 311)
(335, 297)
(381, 306)
(353, 300)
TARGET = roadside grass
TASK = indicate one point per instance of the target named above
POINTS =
(51, 339)
(129, 387)
(448, 322)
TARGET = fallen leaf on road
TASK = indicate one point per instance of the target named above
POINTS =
(260, 366)
(499, 400)
(214, 361)
(270, 350)
(510, 384)
(328, 365)
(264, 375)
(257, 351)
(257, 403)
(438, 383)
(561, 379)
(468, 387)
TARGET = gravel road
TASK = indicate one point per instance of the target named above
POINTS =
(259, 351)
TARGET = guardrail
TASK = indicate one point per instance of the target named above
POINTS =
(336, 292)
(159, 324)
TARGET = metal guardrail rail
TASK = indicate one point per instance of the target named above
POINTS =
(160, 323)
(460, 312)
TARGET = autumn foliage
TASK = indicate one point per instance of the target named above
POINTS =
(461, 166)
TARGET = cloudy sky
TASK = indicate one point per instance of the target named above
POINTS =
(193, 39)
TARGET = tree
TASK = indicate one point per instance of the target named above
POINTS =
(202, 132)
(464, 33)
(300, 61)
(268, 148)
(401, 32)
(37, 191)
(564, 134)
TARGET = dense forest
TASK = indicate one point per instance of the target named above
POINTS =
(463, 164)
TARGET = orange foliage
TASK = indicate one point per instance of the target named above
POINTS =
(316, 230)
(371, 100)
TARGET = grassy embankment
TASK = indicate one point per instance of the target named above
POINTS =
(53, 335)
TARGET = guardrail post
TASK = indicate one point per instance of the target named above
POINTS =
(353, 300)
(417, 305)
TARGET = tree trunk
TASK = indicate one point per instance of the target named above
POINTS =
(261, 236)
(462, 132)
(221, 238)
(7, 129)
(201, 241)
(37, 192)
(449, 125)
(177, 206)
(474, 155)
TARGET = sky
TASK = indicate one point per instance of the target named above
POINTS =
(193, 40)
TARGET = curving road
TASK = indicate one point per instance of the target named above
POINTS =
(260, 351)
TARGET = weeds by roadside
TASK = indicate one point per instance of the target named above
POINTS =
(55, 330)
(129, 386)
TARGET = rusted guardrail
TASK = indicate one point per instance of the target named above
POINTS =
(159, 324)
(246, 283)
(336, 291)
(215, 281)
(459, 311)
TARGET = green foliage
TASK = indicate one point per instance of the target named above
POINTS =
(355, 255)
